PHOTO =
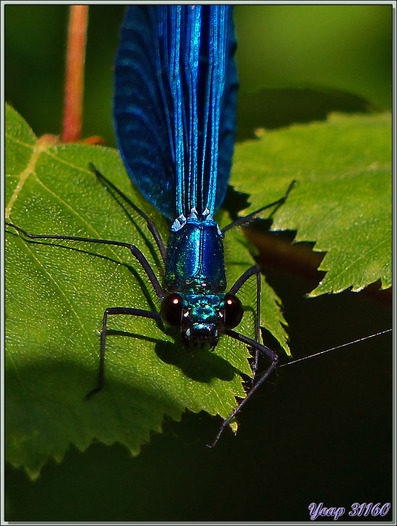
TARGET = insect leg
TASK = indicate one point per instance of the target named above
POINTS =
(266, 351)
(109, 312)
(133, 249)
(239, 283)
(241, 221)
(150, 224)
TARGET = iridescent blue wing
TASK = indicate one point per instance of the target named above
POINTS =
(175, 104)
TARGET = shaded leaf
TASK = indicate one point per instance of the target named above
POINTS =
(276, 108)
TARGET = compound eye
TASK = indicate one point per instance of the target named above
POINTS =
(233, 311)
(172, 310)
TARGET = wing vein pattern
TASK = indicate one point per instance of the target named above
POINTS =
(175, 104)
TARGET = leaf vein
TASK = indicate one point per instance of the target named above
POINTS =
(62, 292)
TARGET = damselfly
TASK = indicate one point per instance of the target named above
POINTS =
(175, 102)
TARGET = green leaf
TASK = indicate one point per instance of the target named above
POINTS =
(342, 201)
(57, 292)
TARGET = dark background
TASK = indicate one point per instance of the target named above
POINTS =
(319, 431)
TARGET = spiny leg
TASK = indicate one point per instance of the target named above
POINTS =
(256, 345)
(266, 351)
(241, 221)
(255, 269)
(238, 284)
(133, 249)
(150, 224)
(110, 312)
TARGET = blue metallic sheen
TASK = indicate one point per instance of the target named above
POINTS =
(174, 108)
(175, 104)
(195, 258)
(203, 318)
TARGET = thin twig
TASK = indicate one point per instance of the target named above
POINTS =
(74, 84)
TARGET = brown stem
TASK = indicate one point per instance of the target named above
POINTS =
(74, 84)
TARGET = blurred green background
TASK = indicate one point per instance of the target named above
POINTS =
(317, 432)
(346, 48)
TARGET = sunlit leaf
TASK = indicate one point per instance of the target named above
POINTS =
(57, 292)
(342, 200)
